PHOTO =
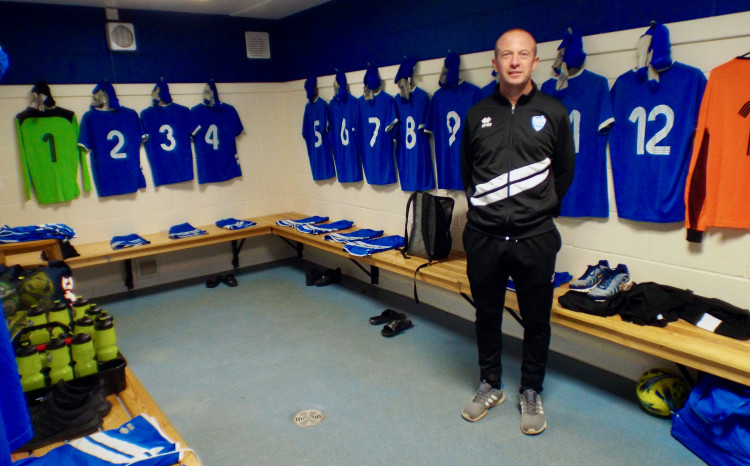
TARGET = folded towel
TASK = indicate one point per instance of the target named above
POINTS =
(184, 230)
(36, 232)
(302, 221)
(370, 247)
(325, 227)
(127, 241)
(358, 235)
(234, 224)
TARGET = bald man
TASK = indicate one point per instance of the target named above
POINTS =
(517, 162)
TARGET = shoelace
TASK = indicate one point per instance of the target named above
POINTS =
(609, 276)
(531, 404)
(483, 394)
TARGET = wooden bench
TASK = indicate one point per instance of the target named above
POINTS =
(127, 404)
(102, 253)
(680, 342)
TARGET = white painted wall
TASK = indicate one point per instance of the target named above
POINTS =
(277, 178)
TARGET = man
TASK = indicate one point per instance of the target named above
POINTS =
(517, 162)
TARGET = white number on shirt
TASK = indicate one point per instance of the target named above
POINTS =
(168, 133)
(575, 123)
(212, 137)
(638, 116)
(344, 133)
(453, 128)
(318, 136)
(411, 135)
(374, 121)
(115, 152)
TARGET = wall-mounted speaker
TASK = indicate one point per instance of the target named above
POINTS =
(121, 37)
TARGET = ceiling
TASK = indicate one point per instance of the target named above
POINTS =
(262, 9)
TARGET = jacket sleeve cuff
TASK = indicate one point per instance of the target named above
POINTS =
(694, 236)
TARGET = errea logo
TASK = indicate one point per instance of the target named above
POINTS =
(486, 122)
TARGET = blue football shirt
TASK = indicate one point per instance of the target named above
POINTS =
(591, 117)
(113, 138)
(167, 130)
(344, 118)
(377, 118)
(315, 132)
(445, 122)
(413, 154)
(650, 143)
(214, 133)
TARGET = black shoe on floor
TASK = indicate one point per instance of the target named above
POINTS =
(213, 281)
(395, 327)
(229, 280)
(312, 276)
(329, 277)
(389, 315)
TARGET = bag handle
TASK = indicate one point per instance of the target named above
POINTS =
(406, 223)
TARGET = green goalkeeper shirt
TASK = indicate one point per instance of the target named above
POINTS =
(50, 155)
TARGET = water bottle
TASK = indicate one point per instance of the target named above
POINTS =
(83, 353)
(84, 325)
(59, 361)
(80, 307)
(30, 368)
(38, 316)
(59, 312)
(105, 340)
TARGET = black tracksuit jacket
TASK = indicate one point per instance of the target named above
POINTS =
(531, 146)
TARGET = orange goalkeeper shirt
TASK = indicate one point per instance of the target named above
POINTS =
(717, 193)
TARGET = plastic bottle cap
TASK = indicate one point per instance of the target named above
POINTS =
(104, 324)
(35, 311)
(81, 338)
(56, 343)
(84, 321)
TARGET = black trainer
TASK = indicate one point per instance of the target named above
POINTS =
(329, 277)
(312, 276)
(73, 394)
(53, 423)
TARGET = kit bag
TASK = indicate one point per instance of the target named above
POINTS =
(427, 231)
(429, 236)
(715, 421)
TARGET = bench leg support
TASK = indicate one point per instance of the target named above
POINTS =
(686, 375)
(128, 264)
(297, 246)
(373, 273)
(236, 248)
(511, 311)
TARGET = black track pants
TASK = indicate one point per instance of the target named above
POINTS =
(531, 264)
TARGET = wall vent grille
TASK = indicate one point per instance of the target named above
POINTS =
(257, 45)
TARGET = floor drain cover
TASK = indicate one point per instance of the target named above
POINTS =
(307, 418)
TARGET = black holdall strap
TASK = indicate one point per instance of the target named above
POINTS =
(406, 223)
(416, 297)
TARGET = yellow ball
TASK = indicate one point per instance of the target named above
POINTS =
(661, 393)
